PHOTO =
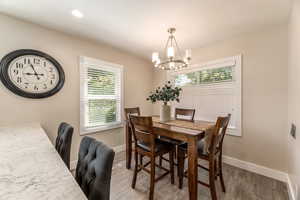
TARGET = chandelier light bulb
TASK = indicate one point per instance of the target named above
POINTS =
(171, 52)
(186, 60)
(188, 53)
(172, 65)
(155, 56)
(158, 61)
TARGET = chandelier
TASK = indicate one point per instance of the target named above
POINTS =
(174, 59)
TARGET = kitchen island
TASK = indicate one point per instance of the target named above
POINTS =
(30, 167)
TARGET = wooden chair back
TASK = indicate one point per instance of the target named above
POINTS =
(216, 140)
(142, 129)
(184, 112)
(133, 111)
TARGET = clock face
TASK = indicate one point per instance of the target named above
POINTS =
(32, 74)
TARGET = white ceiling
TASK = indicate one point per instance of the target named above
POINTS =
(139, 26)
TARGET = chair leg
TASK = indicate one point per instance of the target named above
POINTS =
(135, 170)
(212, 186)
(160, 161)
(177, 160)
(152, 179)
(221, 174)
(216, 170)
(180, 169)
(171, 157)
(141, 160)
(176, 151)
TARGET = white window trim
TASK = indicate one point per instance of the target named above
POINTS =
(237, 62)
(110, 66)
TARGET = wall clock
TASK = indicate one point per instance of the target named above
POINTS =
(31, 73)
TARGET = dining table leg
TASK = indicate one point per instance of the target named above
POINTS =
(193, 168)
(128, 138)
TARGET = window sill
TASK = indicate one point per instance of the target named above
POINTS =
(88, 131)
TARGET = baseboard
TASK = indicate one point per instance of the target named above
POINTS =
(292, 194)
(265, 171)
(258, 169)
(117, 149)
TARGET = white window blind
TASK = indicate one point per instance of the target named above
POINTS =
(100, 95)
(213, 89)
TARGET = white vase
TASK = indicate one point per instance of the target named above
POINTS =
(165, 113)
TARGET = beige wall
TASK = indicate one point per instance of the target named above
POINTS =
(64, 106)
(294, 96)
(264, 95)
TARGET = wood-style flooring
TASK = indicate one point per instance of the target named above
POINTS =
(240, 185)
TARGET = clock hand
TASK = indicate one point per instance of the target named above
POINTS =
(36, 74)
(33, 74)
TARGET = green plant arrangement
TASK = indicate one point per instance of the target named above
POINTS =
(165, 94)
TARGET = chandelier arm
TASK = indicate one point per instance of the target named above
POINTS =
(175, 61)
(166, 67)
(179, 52)
(166, 47)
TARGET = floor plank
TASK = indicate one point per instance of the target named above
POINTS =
(240, 185)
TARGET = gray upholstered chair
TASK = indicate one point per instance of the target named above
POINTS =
(94, 168)
(64, 141)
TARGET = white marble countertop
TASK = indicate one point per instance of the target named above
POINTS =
(31, 169)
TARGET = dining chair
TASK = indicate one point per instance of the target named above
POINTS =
(184, 114)
(148, 145)
(127, 112)
(180, 114)
(132, 111)
(212, 154)
(94, 169)
(64, 141)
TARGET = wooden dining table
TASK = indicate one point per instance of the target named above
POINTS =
(186, 131)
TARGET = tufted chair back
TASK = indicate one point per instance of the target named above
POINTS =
(64, 141)
(94, 168)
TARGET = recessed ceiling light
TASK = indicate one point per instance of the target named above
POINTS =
(77, 13)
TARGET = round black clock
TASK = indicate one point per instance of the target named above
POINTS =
(31, 73)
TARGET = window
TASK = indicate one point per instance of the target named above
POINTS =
(101, 87)
(213, 89)
(206, 76)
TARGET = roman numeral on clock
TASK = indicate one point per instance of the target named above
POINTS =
(26, 61)
(36, 61)
(19, 65)
(19, 79)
